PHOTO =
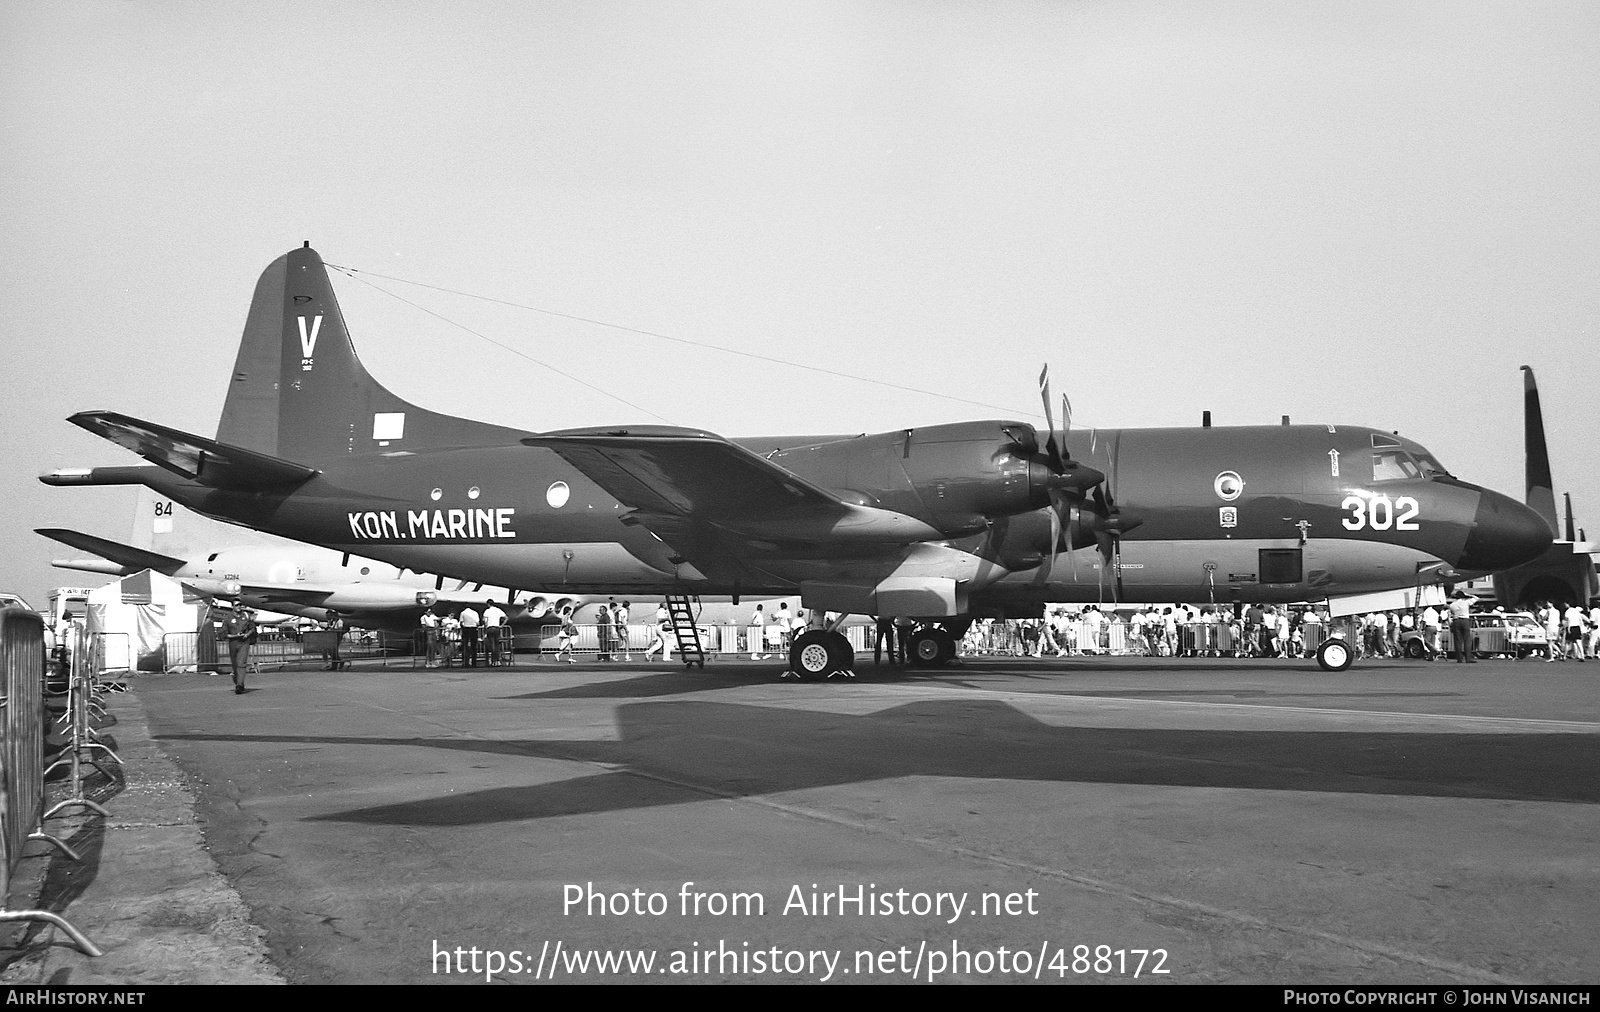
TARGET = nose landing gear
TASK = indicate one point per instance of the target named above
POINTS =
(1335, 655)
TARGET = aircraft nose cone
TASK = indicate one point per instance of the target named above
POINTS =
(1505, 533)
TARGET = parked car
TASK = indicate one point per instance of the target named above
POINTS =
(1512, 634)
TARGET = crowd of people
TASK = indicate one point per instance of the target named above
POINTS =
(1177, 630)
(1180, 630)
(443, 637)
(612, 633)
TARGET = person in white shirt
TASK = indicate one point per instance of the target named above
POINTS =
(1431, 628)
(1551, 618)
(784, 620)
(430, 637)
(567, 636)
(662, 627)
(449, 639)
(494, 621)
(1573, 619)
(1594, 628)
(1380, 633)
(756, 635)
(619, 620)
(469, 635)
(1089, 642)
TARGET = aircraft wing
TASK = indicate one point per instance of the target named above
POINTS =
(348, 598)
(133, 559)
(699, 477)
(195, 457)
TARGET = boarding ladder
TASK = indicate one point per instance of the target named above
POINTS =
(683, 613)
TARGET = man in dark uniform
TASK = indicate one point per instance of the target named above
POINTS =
(239, 629)
(1461, 628)
(884, 634)
(330, 656)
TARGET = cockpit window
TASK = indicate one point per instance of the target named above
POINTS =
(1430, 467)
(1394, 465)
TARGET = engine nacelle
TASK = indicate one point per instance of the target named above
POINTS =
(378, 597)
(955, 477)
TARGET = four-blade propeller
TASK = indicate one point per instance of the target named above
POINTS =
(1074, 488)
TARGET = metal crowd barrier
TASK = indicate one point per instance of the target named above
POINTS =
(22, 752)
(729, 639)
(712, 639)
(191, 651)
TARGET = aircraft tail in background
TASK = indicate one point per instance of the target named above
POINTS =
(1541, 496)
(1565, 572)
(114, 559)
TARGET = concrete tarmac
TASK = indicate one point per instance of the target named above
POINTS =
(1233, 821)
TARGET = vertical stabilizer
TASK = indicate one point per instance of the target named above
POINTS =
(161, 525)
(299, 392)
(1541, 490)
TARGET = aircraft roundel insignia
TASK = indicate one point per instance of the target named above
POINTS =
(1229, 486)
(556, 495)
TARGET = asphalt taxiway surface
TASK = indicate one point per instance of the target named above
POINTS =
(1256, 821)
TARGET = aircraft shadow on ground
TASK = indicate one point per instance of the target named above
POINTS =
(675, 683)
(1177, 693)
(691, 750)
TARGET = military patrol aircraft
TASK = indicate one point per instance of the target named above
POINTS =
(940, 523)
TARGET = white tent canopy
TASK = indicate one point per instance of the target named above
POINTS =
(133, 618)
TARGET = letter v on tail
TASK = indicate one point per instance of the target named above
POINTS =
(308, 341)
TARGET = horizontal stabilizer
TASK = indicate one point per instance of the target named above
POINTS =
(133, 559)
(207, 461)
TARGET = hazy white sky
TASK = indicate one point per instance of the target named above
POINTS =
(1358, 213)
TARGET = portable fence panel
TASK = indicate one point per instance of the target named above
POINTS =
(1117, 638)
(22, 653)
(1492, 641)
(111, 652)
(181, 651)
(1312, 634)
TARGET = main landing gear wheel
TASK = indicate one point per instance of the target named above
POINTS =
(932, 647)
(1335, 655)
(816, 655)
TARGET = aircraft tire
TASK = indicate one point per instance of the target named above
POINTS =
(815, 656)
(932, 647)
(844, 655)
(1335, 655)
